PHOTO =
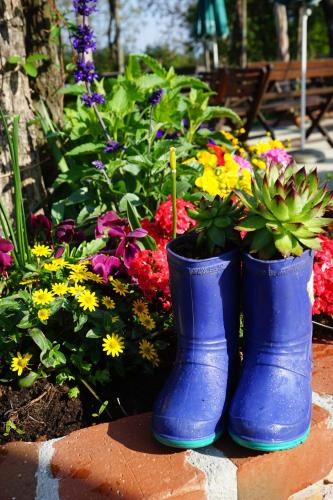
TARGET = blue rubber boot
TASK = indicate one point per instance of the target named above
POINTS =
(189, 412)
(271, 408)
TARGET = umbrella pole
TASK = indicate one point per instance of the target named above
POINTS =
(302, 155)
(215, 54)
(207, 56)
(306, 12)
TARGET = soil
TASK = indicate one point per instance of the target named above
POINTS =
(43, 411)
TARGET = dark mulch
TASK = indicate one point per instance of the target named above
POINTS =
(40, 412)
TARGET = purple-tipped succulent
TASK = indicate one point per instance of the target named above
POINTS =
(5, 259)
(105, 265)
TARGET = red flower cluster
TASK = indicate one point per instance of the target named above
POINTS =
(150, 269)
(163, 216)
(219, 154)
(323, 278)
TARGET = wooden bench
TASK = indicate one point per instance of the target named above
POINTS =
(241, 89)
(283, 92)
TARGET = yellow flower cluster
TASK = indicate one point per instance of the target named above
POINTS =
(263, 147)
(222, 180)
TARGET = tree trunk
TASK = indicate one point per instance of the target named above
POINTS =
(15, 98)
(281, 23)
(114, 31)
(328, 12)
(41, 40)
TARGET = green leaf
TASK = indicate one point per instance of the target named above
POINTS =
(86, 148)
(73, 392)
(283, 243)
(221, 112)
(86, 249)
(30, 69)
(119, 103)
(251, 223)
(313, 243)
(134, 222)
(279, 208)
(25, 323)
(58, 211)
(14, 59)
(29, 380)
(39, 338)
(72, 89)
(154, 65)
(216, 236)
(37, 57)
(261, 238)
(133, 198)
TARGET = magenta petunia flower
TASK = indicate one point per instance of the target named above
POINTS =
(110, 224)
(242, 162)
(41, 224)
(128, 248)
(5, 259)
(105, 265)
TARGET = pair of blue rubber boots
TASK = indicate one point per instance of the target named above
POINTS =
(265, 404)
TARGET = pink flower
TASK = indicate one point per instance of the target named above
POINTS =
(278, 156)
(242, 162)
(104, 265)
(5, 259)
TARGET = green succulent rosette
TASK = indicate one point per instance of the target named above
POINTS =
(285, 213)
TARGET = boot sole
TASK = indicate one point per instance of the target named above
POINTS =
(189, 443)
(257, 445)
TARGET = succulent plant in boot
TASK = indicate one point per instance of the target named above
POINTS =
(215, 229)
(285, 214)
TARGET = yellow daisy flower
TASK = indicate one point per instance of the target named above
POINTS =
(44, 314)
(41, 251)
(113, 345)
(76, 289)
(42, 297)
(78, 276)
(108, 303)
(60, 263)
(140, 307)
(88, 300)
(115, 319)
(19, 363)
(29, 281)
(119, 287)
(50, 266)
(148, 351)
(80, 266)
(147, 321)
(94, 277)
(59, 288)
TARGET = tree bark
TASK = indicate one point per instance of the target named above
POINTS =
(281, 23)
(328, 12)
(15, 98)
(39, 39)
(114, 32)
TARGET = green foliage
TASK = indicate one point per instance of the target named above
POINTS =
(216, 222)
(30, 65)
(138, 172)
(285, 213)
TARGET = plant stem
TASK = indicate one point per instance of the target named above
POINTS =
(96, 396)
(173, 166)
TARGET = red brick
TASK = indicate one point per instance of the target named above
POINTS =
(122, 460)
(18, 465)
(323, 367)
(277, 475)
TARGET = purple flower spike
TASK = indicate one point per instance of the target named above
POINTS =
(83, 40)
(84, 7)
(104, 265)
(159, 134)
(112, 147)
(156, 97)
(98, 164)
(128, 248)
(94, 98)
(111, 225)
(5, 259)
(85, 72)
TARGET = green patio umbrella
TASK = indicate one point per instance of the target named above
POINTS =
(211, 23)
